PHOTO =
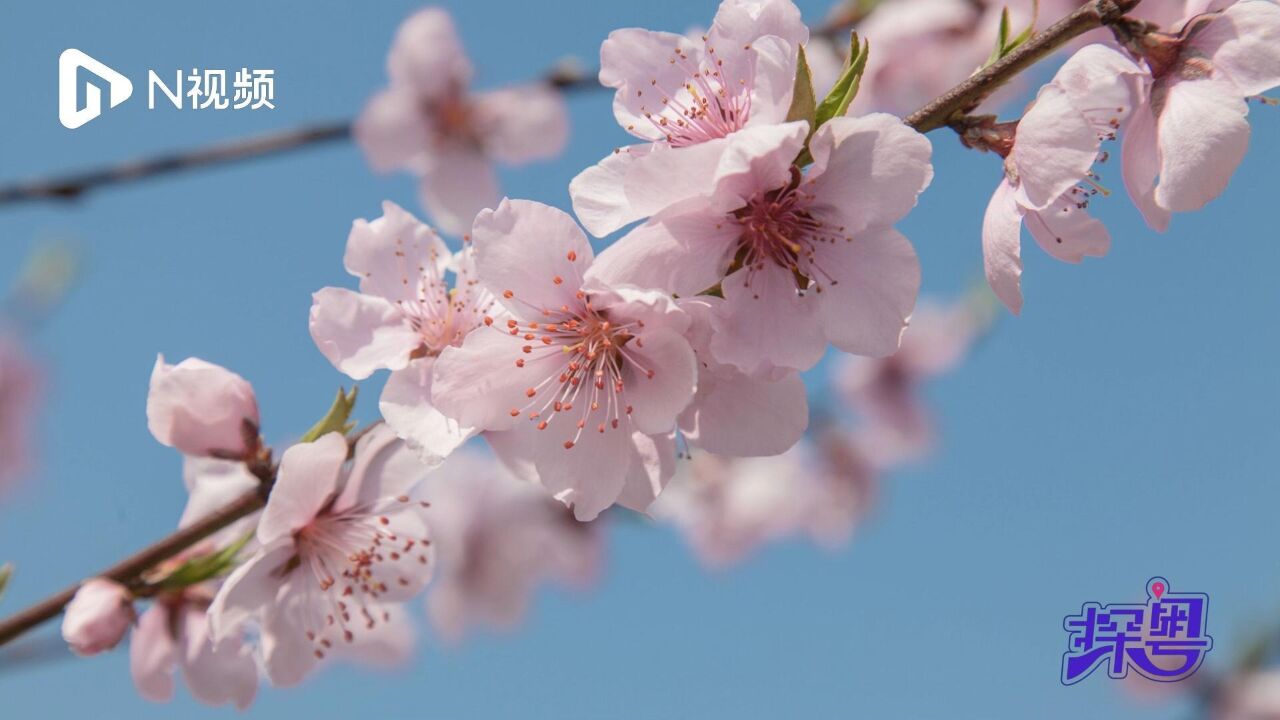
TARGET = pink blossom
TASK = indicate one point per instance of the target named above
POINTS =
(202, 409)
(405, 314)
(688, 99)
(340, 544)
(803, 258)
(1189, 132)
(19, 390)
(497, 539)
(1048, 177)
(580, 386)
(885, 392)
(1248, 696)
(429, 123)
(97, 617)
(729, 507)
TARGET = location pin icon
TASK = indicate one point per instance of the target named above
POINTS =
(1156, 587)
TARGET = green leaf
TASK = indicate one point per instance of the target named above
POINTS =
(803, 102)
(846, 88)
(205, 567)
(1002, 39)
(1005, 44)
(336, 420)
(6, 572)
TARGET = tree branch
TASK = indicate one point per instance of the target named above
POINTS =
(966, 96)
(129, 571)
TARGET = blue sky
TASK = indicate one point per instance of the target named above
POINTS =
(1125, 426)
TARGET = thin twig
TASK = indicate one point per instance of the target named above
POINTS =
(128, 571)
(969, 94)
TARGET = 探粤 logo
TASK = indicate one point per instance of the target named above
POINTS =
(1163, 639)
(81, 77)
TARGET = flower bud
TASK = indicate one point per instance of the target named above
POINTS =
(97, 617)
(202, 409)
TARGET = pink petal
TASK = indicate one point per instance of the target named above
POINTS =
(361, 334)
(478, 384)
(878, 279)
(659, 399)
(588, 476)
(653, 463)
(393, 131)
(1244, 44)
(383, 468)
(457, 183)
(681, 251)
(1067, 231)
(535, 252)
(528, 122)
(200, 408)
(756, 159)
(216, 674)
(388, 644)
(306, 481)
(743, 21)
(635, 61)
(738, 415)
(599, 196)
(1203, 137)
(427, 55)
(1101, 82)
(1002, 247)
(214, 484)
(1055, 148)
(667, 175)
(287, 655)
(868, 171)
(249, 589)
(152, 655)
(396, 256)
(1141, 166)
(766, 324)
(406, 406)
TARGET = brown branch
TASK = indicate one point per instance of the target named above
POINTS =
(129, 570)
(966, 96)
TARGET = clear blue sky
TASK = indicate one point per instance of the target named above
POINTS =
(1125, 426)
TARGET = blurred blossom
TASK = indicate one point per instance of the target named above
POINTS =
(19, 395)
(886, 392)
(497, 538)
(97, 617)
(1248, 696)
(202, 409)
(428, 122)
(729, 507)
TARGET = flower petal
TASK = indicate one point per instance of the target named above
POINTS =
(1067, 231)
(249, 589)
(741, 416)
(287, 655)
(396, 256)
(653, 463)
(1141, 167)
(478, 384)
(599, 194)
(216, 674)
(1203, 137)
(1002, 247)
(531, 256)
(878, 279)
(519, 124)
(660, 375)
(765, 324)
(457, 183)
(427, 55)
(868, 170)
(306, 481)
(383, 468)
(588, 476)
(1244, 44)
(361, 334)
(1055, 148)
(635, 61)
(392, 131)
(406, 406)
(152, 655)
(684, 250)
